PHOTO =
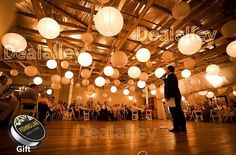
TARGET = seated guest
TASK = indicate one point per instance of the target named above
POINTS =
(43, 107)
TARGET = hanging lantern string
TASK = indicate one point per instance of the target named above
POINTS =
(91, 16)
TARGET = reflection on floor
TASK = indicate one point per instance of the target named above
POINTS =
(130, 138)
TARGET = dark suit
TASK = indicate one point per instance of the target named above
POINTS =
(172, 91)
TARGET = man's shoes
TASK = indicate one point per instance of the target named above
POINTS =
(173, 130)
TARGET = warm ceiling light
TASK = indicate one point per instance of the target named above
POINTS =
(14, 72)
(234, 93)
(153, 92)
(126, 91)
(231, 49)
(14, 42)
(109, 21)
(87, 38)
(186, 73)
(38, 80)
(85, 73)
(183, 98)
(69, 74)
(85, 59)
(65, 64)
(108, 71)
(56, 78)
(143, 55)
(159, 72)
(65, 81)
(56, 86)
(228, 29)
(119, 59)
(49, 91)
(48, 28)
(189, 44)
(152, 86)
(134, 72)
(181, 10)
(141, 84)
(213, 69)
(51, 64)
(203, 93)
(31, 70)
(210, 94)
(100, 81)
(113, 89)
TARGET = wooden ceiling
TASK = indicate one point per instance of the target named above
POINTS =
(74, 16)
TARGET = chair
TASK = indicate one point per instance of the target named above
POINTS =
(149, 114)
(213, 115)
(32, 107)
(86, 115)
(228, 115)
(135, 115)
(196, 115)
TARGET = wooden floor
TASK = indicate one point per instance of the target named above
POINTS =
(130, 138)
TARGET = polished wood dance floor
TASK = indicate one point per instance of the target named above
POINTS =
(130, 138)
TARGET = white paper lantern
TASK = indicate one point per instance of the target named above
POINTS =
(189, 44)
(105, 95)
(113, 89)
(231, 49)
(141, 84)
(153, 92)
(100, 81)
(69, 74)
(186, 73)
(167, 56)
(116, 74)
(14, 42)
(143, 55)
(108, 71)
(85, 82)
(49, 91)
(38, 80)
(149, 64)
(85, 73)
(14, 72)
(213, 69)
(119, 59)
(134, 72)
(143, 76)
(56, 86)
(131, 82)
(56, 78)
(109, 21)
(65, 64)
(51, 64)
(107, 81)
(87, 38)
(151, 86)
(77, 85)
(189, 63)
(85, 59)
(159, 72)
(48, 28)
(65, 81)
(132, 88)
(181, 10)
(117, 82)
(210, 94)
(126, 91)
(234, 93)
(31, 70)
(183, 98)
(228, 29)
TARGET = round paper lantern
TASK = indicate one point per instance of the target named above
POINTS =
(56, 86)
(231, 49)
(117, 82)
(100, 81)
(228, 29)
(51, 64)
(48, 28)
(87, 38)
(213, 69)
(234, 93)
(143, 76)
(159, 72)
(91, 87)
(131, 82)
(151, 86)
(186, 73)
(167, 56)
(202, 93)
(116, 74)
(210, 94)
(108, 71)
(149, 64)
(69, 74)
(14, 42)
(85, 73)
(134, 72)
(85, 59)
(14, 72)
(143, 55)
(49, 91)
(108, 21)
(183, 98)
(105, 95)
(65, 81)
(77, 85)
(132, 88)
(189, 63)
(189, 44)
(181, 10)
(38, 80)
(56, 78)
(85, 82)
(141, 84)
(31, 70)
(65, 64)
(126, 91)
(119, 59)
(153, 92)
(107, 81)
(113, 89)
